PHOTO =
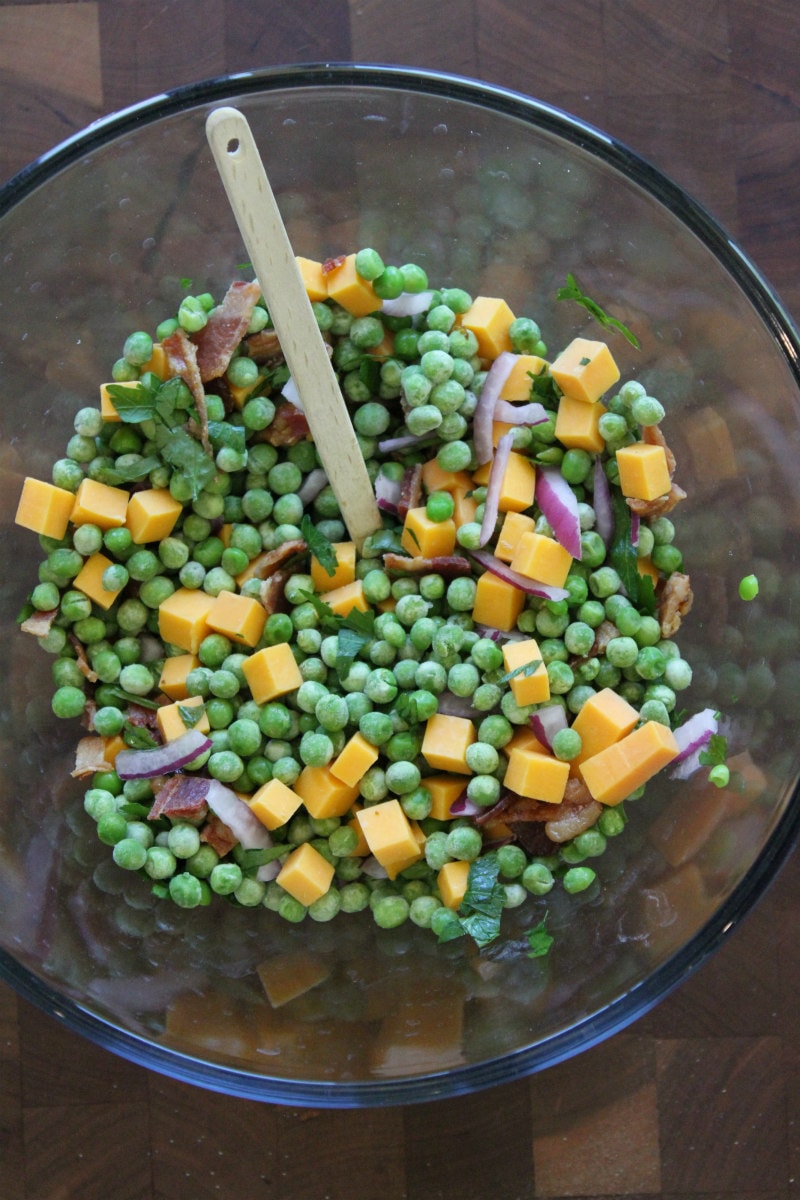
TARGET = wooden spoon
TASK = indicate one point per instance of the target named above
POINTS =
(267, 242)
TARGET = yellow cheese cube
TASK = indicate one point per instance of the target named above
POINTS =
(112, 747)
(274, 803)
(513, 527)
(344, 599)
(347, 288)
(241, 618)
(316, 283)
(436, 479)
(239, 395)
(171, 722)
(578, 424)
(362, 848)
(519, 482)
(107, 410)
(538, 776)
(621, 768)
(602, 720)
(585, 370)
(151, 514)
(519, 382)
(452, 883)
(489, 319)
(306, 875)
(355, 760)
(286, 976)
(497, 603)
(323, 794)
(183, 618)
(173, 675)
(533, 688)
(89, 580)
(464, 506)
(542, 558)
(157, 362)
(44, 508)
(271, 672)
(444, 790)
(427, 538)
(445, 744)
(98, 504)
(395, 868)
(643, 471)
(389, 834)
(525, 738)
(345, 569)
(645, 566)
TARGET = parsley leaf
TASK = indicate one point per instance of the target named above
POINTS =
(717, 751)
(133, 404)
(528, 668)
(136, 470)
(190, 714)
(222, 434)
(482, 905)
(623, 555)
(142, 701)
(349, 644)
(137, 737)
(180, 450)
(573, 291)
(539, 939)
(328, 618)
(319, 545)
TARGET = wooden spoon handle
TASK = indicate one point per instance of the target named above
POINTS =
(264, 235)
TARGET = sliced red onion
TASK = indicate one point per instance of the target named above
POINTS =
(289, 392)
(269, 871)
(601, 500)
(635, 530)
(464, 807)
(520, 414)
(238, 816)
(546, 723)
(370, 866)
(532, 587)
(692, 736)
(387, 493)
(162, 760)
(407, 304)
(559, 504)
(484, 412)
(406, 442)
(450, 705)
(491, 504)
(501, 635)
(312, 485)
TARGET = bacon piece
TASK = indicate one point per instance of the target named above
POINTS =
(141, 717)
(182, 360)
(410, 491)
(264, 347)
(263, 565)
(659, 506)
(226, 326)
(272, 596)
(218, 835)
(532, 837)
(450, 566)
(90, 756)
(675, 602)
(605, 631)
(288, 427)
(330, 264)
(39, 623)
(654, 437)
(182, 797)
(81, 661)
(572, 819)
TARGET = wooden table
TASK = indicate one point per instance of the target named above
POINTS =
(702, 1097)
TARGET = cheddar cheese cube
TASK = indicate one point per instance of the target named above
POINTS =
(107, 410)
(497, 603)
(239, 395)
(347, 288)
(183, 618)
(89, 580)
(542, 558)
(44, 508)
(624, 766)
(271, 672)
(170, 719)
(445, 743)
(395, 868)
(512, 529)
(524, 737)
(345, 568)
(362, 848)
(389, 833)
(645, 566)
(578, 424)
(99, 504)
(519, 382)
(112, 747)
(157, 363)
(323, 794)
(274, 803)
(355, 760)
(240, 618)
(603, 720)
(151, 514)
(422, 536)
(489, 319)
(344, 599)
(173, 675)
(533, 688)
(452, 883)
(464, 506)
(315, 281)
(444, 791)
(306, 875)
(643, 471)
(585, 370)
(538, 776)
(286, 976)
(436, 479)
(519, 482)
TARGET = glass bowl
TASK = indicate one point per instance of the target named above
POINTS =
(503, 196)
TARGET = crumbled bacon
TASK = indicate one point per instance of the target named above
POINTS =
(264, 347)
(661, 504)
(604, 633)
(39, 623)
(331, 264)
(224, 330)
(90, 756)
(450, 566)
(81, 661)
(268, 561)
(218, 835)
(288, 427)
(182, 360)
(675, 602)
(532, 837)
(141, 717)
(181, 797)
(272, 596)
(410, 491)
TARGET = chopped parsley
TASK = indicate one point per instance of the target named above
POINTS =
(191, 714)
(624, 559)
(482, 906)
(322, 549)
(528, 668)
(169, 405)
(137, 737)
(539, 939)
(573, 291)
(716, 753)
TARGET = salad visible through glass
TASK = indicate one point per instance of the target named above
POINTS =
(439, 725)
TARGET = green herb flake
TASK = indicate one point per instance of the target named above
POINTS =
(350, 643)
(482, 906)
(322, 549)
(133, 404)
(186, 283)
(573, 291)
(181, 451)
(328, 618)
(191, 714)
(136, 470)
(129, 698)
(716, 752)
(539, 939)
(137, 737)
(528, 668)
(624, 558)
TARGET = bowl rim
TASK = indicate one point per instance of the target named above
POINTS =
(641, 998)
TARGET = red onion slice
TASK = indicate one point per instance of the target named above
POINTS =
(491, 504)
(484, 412)
(238, 816)
(532, 587)
(407, 304)
(162, 760)
(464, 807)
(635, 530)
(547, 721)
(559, 504)
(692, 736)
(312, 485)
(520, 414)
(406, 442)
(450, 705)
(501, 635)
(269, 871)
(370, 866)
(603, 508)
